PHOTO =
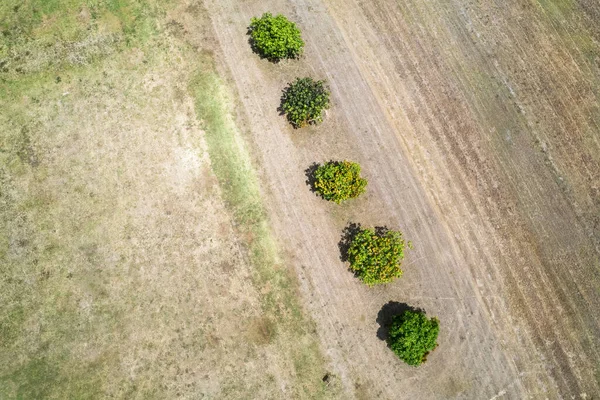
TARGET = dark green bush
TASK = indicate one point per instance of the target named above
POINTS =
(412, 336)
(375, 255)
(304, 101)
(339, 180)
(275, 38)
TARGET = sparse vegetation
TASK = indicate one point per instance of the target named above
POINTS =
(412, 336)
(375, 255)
(73, 225)
(275, 37)
(339, 180)
(304, 101)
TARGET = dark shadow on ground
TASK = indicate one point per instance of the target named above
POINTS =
(387, 314)
(347, 236)
(252, 44)
(280, 109)
(310, 176)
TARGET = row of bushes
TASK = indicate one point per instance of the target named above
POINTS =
(276, 38)
(374, 254)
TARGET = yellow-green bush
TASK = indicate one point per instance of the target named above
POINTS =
(375, 255)
(276, 37)
(338, 181)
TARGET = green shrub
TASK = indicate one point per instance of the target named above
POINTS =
(412, 336)
(304, 101)
(275, 38)
(339, 180)
(375, 255)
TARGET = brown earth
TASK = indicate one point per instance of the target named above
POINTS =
(477, 124)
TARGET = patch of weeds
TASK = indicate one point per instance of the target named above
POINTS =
(47, 366)
(34, 380)
(45, 329)
(43, 36)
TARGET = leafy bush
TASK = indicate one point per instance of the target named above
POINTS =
(412, 336)
(275, 38)
(339, 180)
(304, 100)
(375, 255)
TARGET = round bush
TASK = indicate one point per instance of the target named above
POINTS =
(275, 38)
(412, 336)
(339, 180)
(375, 255)
(304, 101)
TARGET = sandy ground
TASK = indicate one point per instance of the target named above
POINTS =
(476, 124)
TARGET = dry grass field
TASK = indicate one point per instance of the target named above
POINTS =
(136, 258)
(158, 239)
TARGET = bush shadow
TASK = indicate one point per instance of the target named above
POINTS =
(282, 100)
(310, 176)
(252, 43)
(348, 235)
(280, 109)
(387, 314)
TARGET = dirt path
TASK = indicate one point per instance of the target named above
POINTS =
(447, 135)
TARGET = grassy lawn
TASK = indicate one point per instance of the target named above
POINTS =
(135, 255)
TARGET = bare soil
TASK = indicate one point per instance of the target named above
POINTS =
(477, 125)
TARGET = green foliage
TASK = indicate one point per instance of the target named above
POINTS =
(375, 255)
(339, 180)
(412, 336)
(275, 38)
(304, 101)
